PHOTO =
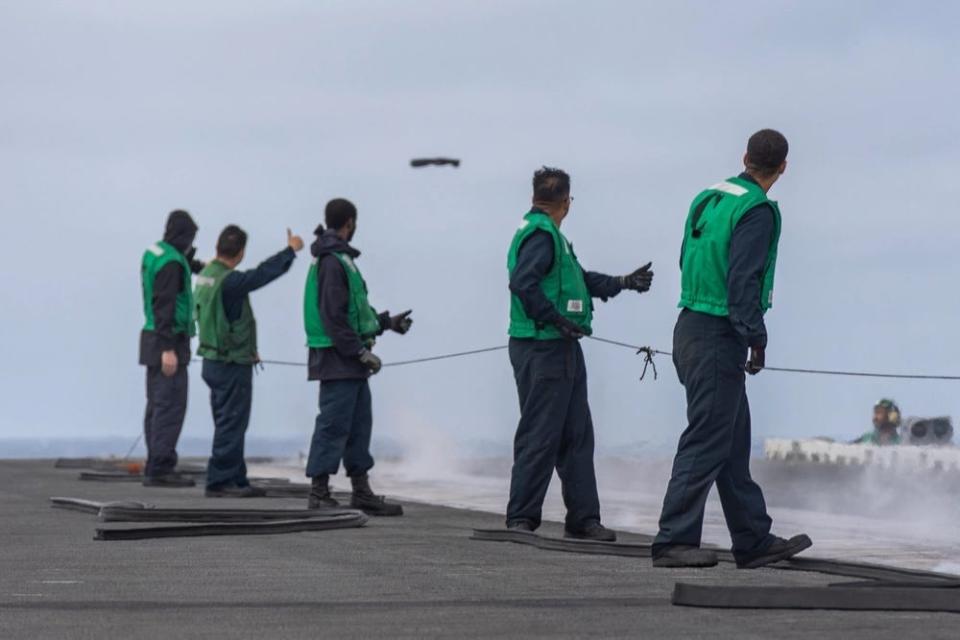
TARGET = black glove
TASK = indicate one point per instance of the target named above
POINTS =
(196, 266)
(568, 329)
(758, 359)
(401, 322)
(640, 280)
(369, 360)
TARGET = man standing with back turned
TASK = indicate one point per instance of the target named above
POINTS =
(727, 260)
(341, 327)
(228, 346)
(550, 310)
(165, 345)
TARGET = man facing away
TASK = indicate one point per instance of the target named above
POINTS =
(341, 327)
(228, 346)
(550, 310)
(165, 345)
(728, 258)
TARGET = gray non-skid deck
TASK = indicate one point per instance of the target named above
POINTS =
(415, 576)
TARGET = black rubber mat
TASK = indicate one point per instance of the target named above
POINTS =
(90, 506)
(120, 513)
(816, 565)
(320, 523)
(840, 598)
(563, 544)
(863, 570)
(110, 476)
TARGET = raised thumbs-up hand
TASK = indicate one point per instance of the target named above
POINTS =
(294, 242)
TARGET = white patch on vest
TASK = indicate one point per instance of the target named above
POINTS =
(770, 298)
(729, 187)
(156, 250)
(574, 306)
(205, 281)
(349, 262)
(523, 224)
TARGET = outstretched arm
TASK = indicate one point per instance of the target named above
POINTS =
(240, 283)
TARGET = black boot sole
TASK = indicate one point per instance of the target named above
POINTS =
(803, 542)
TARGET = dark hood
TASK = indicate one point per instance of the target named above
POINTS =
(329, 242)
(181, 230)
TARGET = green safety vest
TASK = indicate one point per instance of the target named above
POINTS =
(564, 285)
(872, 437)
(360, 315)
(221, 339)
(705, 254)
(155, 258)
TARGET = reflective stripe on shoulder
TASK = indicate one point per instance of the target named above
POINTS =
(729, 187)
(156, 250)
(523, 224)
(206, 281)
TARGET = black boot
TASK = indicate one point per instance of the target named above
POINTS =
(364, 499)
(779, 550)
(320, 497)
(677, 556)
(592, 531)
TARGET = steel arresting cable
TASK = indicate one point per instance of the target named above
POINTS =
(648, 361)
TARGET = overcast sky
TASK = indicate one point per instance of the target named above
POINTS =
(114, 113)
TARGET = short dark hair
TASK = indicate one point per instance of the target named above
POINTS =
(231, 242)
(550, 184)
(339, 211)
(766, 151)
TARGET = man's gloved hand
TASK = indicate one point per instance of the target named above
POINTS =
(196, 266)
(568, 329)
(369, 360)
(640, 280)
(401, 322)
(757, 361)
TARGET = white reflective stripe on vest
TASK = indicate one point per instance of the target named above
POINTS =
(156, 250)
(729, 187)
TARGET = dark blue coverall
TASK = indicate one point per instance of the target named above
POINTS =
(231, 384)
(709, 353)
(555, 429)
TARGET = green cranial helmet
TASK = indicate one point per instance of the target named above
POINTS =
(893, 411)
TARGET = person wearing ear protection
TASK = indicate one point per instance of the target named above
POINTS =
(886, 425)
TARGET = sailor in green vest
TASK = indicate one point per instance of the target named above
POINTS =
(165, 345)
(727, 261)
(886, 425)
(551, 308)
(228, 346)
(341, 327)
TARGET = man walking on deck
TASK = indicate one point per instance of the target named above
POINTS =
(228, 346)
(341, 327)
(165, 272)
(727, 260)
(550, 310)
